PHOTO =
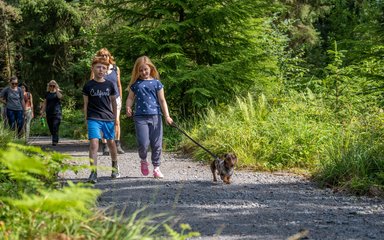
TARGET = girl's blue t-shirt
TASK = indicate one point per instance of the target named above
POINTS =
(147, 102)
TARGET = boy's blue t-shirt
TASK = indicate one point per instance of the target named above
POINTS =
(147, 102)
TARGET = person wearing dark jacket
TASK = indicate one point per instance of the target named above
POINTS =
(52, 109)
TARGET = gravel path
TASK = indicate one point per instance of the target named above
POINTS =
(255, 206)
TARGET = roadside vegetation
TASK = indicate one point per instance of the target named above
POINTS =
(35, 205)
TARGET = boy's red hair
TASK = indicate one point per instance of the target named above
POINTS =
(97, 60)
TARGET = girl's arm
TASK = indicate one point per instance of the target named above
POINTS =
(129, 103)
(164, 106)
(119, 83)
(31, 99)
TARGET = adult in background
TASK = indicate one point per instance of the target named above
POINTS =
(28, 110)
(13, 98)
(112, 75)
(52, 109)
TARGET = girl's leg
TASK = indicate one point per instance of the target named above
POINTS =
(142, 135)
(28, 119)
(156, 139)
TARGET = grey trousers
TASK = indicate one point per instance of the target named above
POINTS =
(149, 132)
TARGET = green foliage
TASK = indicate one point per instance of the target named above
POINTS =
(268, 134)
(206, 52)
(298, 131)
(34, 206)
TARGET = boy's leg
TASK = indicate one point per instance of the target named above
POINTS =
(108, 131)
(104, 147)
(94, 128)
(93, 147)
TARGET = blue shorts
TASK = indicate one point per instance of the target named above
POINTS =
(95, 127)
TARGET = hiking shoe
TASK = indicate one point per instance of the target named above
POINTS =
(105, 149)
(157, 173)
(93, 177)
(115, 170)
(119, 149)
(144, 168)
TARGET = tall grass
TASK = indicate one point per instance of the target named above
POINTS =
(268, 134)
(356, 161)
(297, 132)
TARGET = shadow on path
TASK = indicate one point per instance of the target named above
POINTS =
(255, 206)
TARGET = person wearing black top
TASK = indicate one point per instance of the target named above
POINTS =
(52, 109)
(100, 109)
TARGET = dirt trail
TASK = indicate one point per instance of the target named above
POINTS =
(255, 206)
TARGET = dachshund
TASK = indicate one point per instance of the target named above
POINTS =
(224, 167)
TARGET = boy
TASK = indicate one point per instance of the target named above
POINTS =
(100, 114)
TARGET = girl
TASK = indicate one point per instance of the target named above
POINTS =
(28, 111)
(52, 109)
(146, 88)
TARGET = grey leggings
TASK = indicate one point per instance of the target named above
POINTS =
(149, 132)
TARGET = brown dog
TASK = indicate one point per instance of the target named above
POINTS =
(224, 167)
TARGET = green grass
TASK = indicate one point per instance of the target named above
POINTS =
(297, 132)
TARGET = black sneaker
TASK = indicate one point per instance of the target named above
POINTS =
(105, 149)
(115, 170)
(93, 177)
(119, 149)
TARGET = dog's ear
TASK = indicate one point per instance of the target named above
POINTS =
(226, 156)
(234, 157)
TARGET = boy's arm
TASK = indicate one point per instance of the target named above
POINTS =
(114, 105)
(85, 107)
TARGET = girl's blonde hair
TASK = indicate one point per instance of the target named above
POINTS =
(52, 82)
(104, 52)
(135, 71)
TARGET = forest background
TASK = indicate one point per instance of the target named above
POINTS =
(286, 84)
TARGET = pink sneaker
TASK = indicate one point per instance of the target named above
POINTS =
(157, 173)
(144, 168)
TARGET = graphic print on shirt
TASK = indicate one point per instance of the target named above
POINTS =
(100, 93)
